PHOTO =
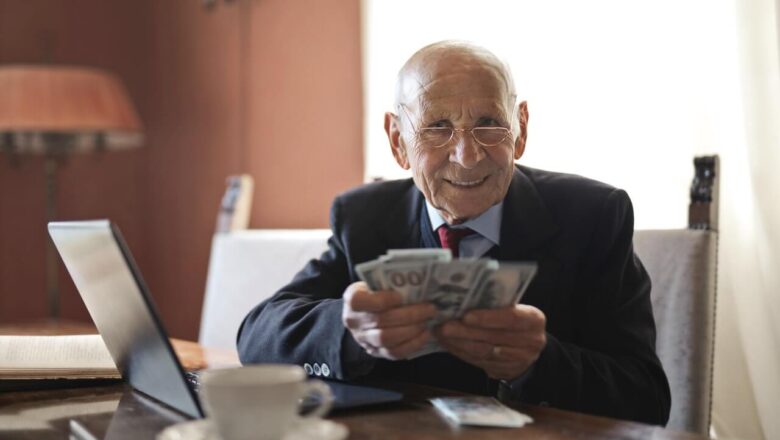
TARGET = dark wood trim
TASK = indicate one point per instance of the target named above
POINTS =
(705, 194)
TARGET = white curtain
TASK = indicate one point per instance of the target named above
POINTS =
(747, 352)
(628, 92)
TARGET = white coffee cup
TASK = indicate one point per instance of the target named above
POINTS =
(259, 402)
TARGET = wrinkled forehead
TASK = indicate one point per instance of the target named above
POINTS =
(454, 81)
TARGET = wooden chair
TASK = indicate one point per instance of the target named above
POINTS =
(236, 204)
(682, 264)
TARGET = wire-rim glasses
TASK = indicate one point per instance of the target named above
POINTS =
(438, 137)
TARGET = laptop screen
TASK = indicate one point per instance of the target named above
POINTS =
(116, 297)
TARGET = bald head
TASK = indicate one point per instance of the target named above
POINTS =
(463, 92)
(446, 57)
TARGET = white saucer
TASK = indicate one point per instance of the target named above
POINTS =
(304, 429)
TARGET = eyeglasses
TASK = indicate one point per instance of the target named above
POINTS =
(437, 137)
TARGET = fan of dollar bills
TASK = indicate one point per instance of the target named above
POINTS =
(453, 286)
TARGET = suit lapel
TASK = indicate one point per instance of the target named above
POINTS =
(526, 224)
(408, 225)
(429, 239)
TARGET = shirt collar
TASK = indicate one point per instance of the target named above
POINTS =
(487, 224)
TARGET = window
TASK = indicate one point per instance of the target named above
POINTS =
(626, 92)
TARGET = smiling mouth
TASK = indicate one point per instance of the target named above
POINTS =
(466, 183)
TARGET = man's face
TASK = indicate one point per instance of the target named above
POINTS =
(461, 179)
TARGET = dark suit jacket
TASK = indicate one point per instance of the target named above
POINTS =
(600, 353)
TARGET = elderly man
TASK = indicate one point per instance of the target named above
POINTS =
(584, 337)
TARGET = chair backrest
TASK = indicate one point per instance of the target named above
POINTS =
(682, 264)
(682, 267)
(245, 268)
(236, 205)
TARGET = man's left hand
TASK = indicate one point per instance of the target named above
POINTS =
(504, 342)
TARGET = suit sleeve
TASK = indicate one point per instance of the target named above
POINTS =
(611, 368)
(301, 323)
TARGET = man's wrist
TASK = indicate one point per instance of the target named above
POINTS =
(520, 380)
(354, 359)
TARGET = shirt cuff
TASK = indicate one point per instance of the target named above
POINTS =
(517, 383)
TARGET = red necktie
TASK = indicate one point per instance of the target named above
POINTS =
(450, 238)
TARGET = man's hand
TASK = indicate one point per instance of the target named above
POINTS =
(382, 325)
(504, 342)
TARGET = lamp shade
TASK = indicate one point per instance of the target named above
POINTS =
(90, 108)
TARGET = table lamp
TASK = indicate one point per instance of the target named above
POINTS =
(56, 111)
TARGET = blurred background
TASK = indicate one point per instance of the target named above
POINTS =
(268, 88)
(292, 92)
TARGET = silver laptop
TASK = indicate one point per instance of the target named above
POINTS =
(119, 302)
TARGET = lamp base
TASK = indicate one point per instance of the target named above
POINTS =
(52, 272)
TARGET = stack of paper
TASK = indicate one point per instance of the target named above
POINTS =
(55, 357)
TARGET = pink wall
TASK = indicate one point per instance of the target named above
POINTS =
(110, 35)
(270, 88)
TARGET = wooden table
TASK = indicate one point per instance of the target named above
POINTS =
(117, 412)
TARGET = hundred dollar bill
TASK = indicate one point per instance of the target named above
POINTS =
(527, 274)
(409, 278)
(480, 411)
(498, 288)
(451, 283)
(454, 287)
(370, 273)
(502, 287)
(443, 255)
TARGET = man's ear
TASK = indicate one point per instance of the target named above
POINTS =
(522, 115)
(393, 130)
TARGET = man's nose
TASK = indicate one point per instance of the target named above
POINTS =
(467, 152)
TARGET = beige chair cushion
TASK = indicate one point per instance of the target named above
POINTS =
(247, 267)
(682, 267)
